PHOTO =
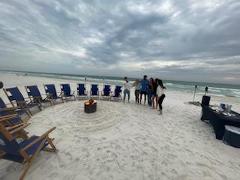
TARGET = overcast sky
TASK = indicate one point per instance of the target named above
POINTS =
(181, 40)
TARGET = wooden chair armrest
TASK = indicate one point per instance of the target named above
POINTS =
(23, 125)
(48, 95)
(8, 109)
(7, 117)
(38, 139)
(15, 126)
(21, 102)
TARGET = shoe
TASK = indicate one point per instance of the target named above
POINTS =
(160, 112)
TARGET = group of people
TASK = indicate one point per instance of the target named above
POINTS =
(147, 90)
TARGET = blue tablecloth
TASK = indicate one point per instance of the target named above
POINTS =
(219, 119)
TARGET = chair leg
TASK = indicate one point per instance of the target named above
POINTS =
(51, 144)
(29, 113)
(51, 102)
(29, 163)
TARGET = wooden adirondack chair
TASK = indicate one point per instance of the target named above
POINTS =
(20, 149)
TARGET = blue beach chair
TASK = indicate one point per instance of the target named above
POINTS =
(11, 121)
(23, 150)
(52, 93)
(4, 110)
(66, 91)
(94, 91)
(106, 92)
(17, 100)
(81, 91)
(35, 95)
(117, 93)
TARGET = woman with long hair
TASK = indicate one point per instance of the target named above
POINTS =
(150, 91)
(161, 94)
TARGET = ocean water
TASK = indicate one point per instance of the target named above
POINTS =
(213, 88)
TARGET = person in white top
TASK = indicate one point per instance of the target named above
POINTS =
(160, 93)
(126, 90)
(137, 85)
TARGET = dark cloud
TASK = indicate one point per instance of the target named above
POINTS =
(191, 40)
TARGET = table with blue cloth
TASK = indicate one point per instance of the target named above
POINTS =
(219, 119)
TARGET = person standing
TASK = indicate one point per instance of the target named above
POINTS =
(155, 97)
(206, 90)
(126, 90)
(137, 85)
(161, 94)
(144, 88)
(150, 91)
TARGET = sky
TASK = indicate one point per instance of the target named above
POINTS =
(187, 40)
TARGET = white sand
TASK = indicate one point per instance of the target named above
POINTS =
(126, 141)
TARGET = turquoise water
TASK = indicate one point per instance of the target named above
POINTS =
(213, 88)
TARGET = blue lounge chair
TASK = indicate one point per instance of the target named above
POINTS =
(35, 95)
(52, 93)
(81, 91)
(117, 93)
(17, 100)
(94, 91)
(66, 91)
(4, 110)
(106, 92)
(11, 120)
(23, 150)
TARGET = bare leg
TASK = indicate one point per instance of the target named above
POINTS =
(141, 98)
(145, 98)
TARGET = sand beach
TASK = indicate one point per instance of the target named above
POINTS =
(125, 140)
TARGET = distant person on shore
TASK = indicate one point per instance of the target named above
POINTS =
(126, 90)
(161, 94)
(137, 85)
(206, 90)
(155, 97)
(144, 88)
(150, 91)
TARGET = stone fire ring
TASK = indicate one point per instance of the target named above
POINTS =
(90, 108)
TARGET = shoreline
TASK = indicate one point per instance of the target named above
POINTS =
(213, 91)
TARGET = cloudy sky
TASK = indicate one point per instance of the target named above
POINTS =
(181, 40)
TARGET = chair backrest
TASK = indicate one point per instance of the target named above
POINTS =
(33, 91)
(117, 91)
(14, 94)
(106, 90)
(51, 90)
(94, 90)
(2, 107)
(65, 88)
(81, 89)
(205, 100)
(2, 103)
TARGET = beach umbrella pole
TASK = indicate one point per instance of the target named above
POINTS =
(194, 94)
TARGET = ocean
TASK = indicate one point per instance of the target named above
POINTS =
(216, 89)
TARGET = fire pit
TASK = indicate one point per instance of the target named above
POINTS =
(90, 106)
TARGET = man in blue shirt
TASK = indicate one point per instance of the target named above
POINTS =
(144, 88)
